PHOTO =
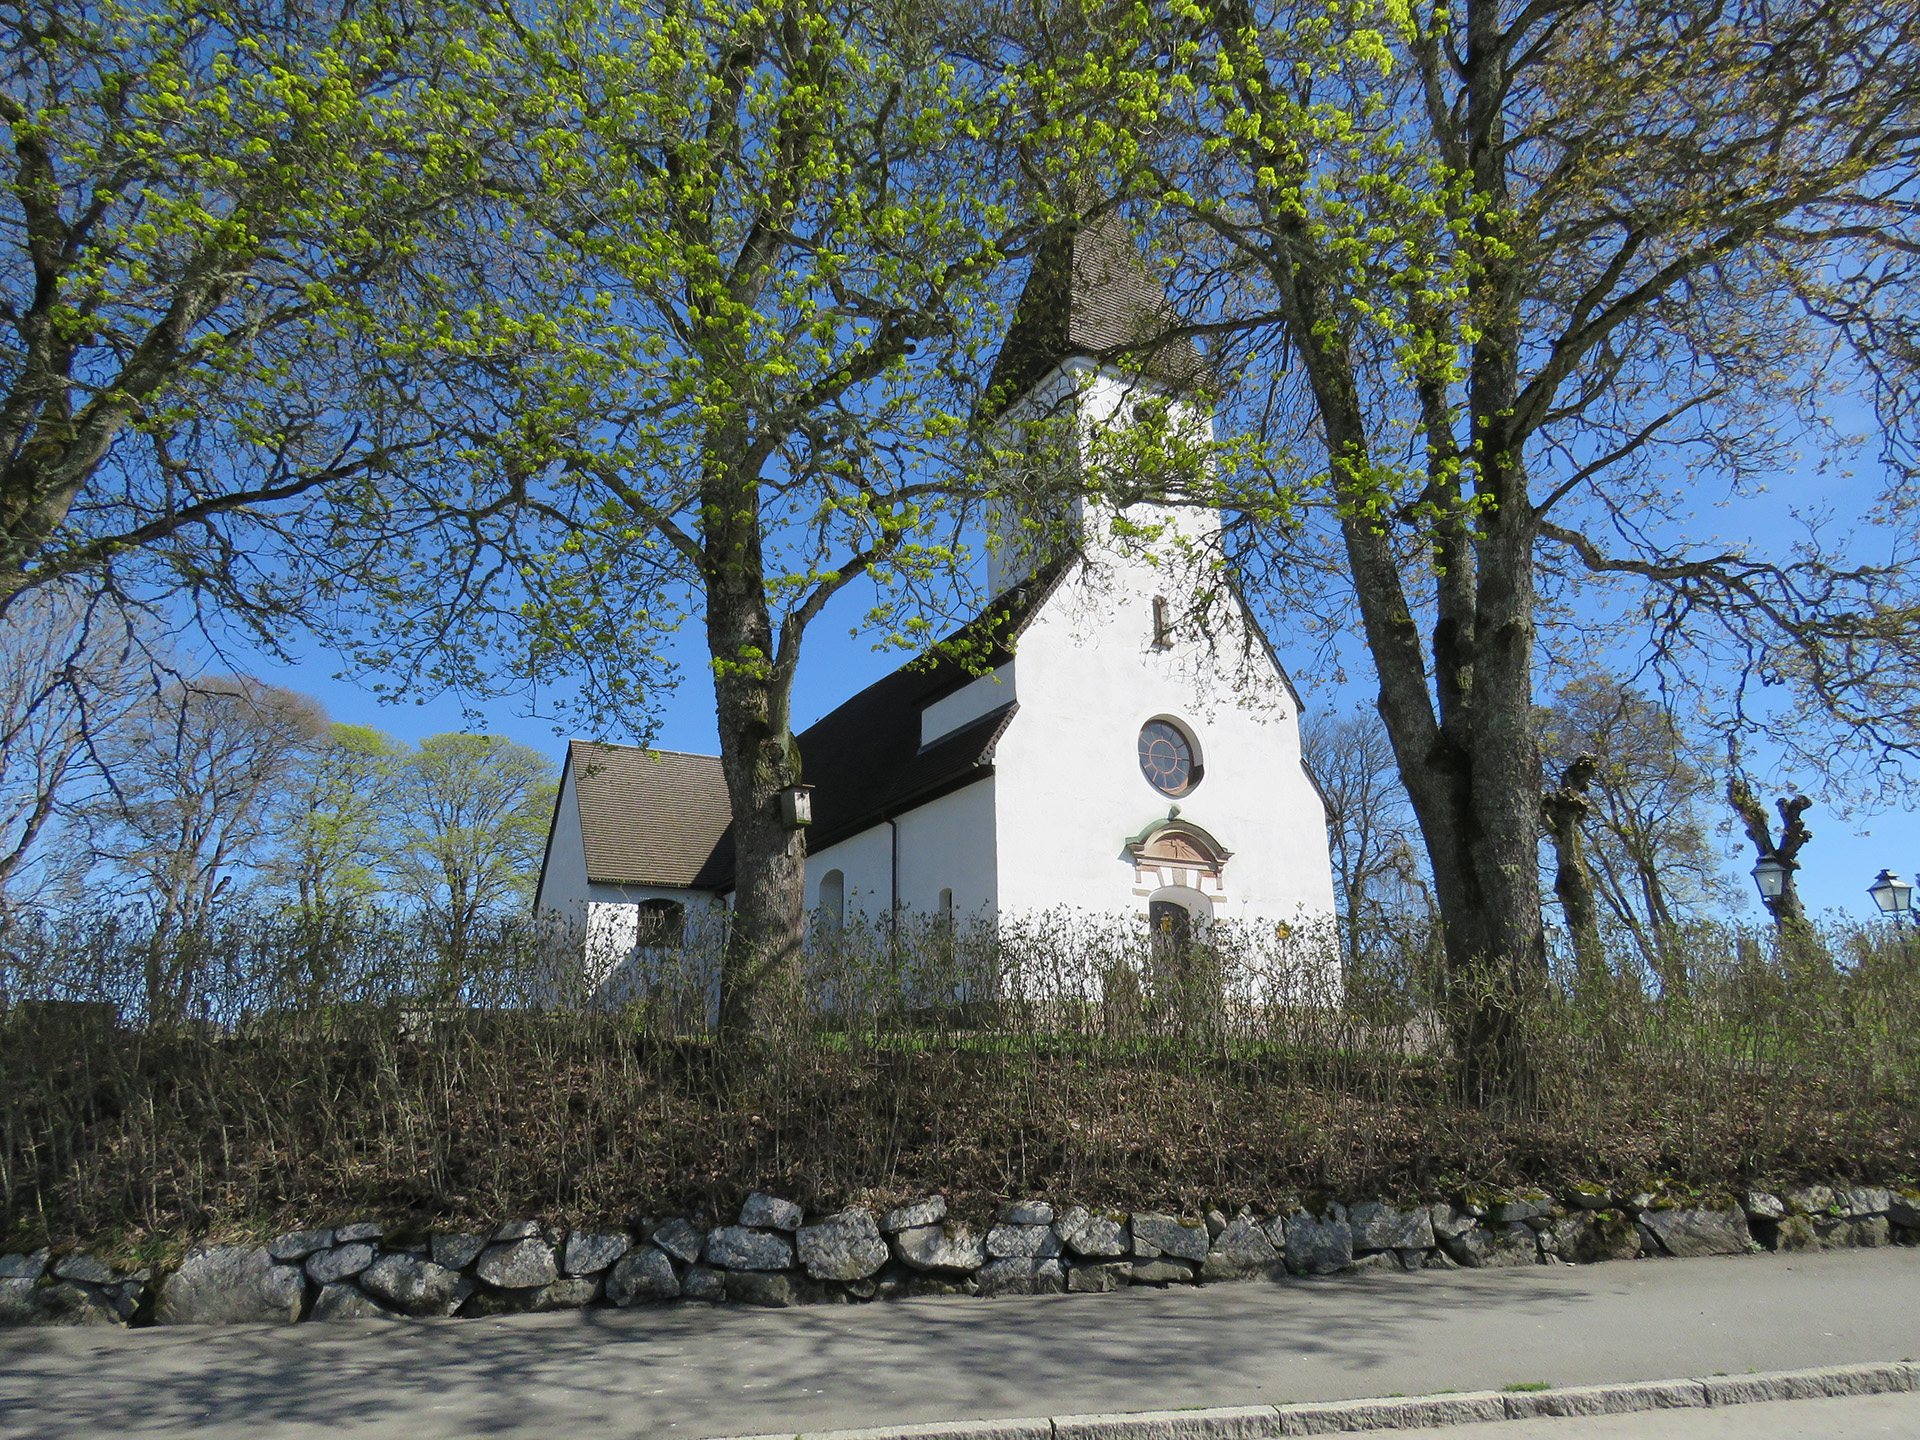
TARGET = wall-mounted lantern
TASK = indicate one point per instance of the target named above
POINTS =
(796, 806)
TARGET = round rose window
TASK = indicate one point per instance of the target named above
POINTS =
(1166, 758)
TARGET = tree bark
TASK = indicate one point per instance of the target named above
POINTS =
(760, 967)
(1565, 809)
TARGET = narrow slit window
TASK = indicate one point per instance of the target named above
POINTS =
(1162, 624)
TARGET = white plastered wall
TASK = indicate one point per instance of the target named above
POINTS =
(1090, 675)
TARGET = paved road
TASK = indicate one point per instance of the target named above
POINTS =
(689, 1371)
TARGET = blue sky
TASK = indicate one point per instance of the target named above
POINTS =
(1839, 862)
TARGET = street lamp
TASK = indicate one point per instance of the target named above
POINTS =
(1892, 894)
(1770, 874)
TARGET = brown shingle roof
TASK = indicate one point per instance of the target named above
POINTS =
(1089, 294)
(650, 817)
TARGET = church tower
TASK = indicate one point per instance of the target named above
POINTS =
(1092, 338)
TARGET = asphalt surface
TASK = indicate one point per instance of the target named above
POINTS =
(692, 1371)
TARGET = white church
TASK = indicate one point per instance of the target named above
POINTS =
(1110, 759)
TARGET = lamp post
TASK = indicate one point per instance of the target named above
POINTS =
(1892, 894)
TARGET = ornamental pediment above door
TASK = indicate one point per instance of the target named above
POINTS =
(1176, 852)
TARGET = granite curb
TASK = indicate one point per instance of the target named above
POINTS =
(1418, 1412)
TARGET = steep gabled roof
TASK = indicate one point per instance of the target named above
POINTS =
(864, 759)
(1089, 295)
(655, 817)
(650, 817)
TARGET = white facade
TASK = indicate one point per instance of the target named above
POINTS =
(1052, 810)
(1050, 828)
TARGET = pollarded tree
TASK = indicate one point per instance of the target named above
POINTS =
(1648, 844)
(211, 210)
(735, 284)
(1515, 266)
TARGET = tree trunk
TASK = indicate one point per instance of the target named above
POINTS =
(1564, 810)
(760, 968)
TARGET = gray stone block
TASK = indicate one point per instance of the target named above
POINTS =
(703, 1282)
(1241, 1249)
(1100, 1278)
(1005, 1241)
(1240, 1422)
(569, 1292)
(1316, 1246)
(343, 1262)
(347, 1302)
(1377, 1262)
(756, 1287)
(1172, 1235)
(359, 1230)
(1761, 1206)
(231, 1285)
(645, 1274)
(518, 1265)
(1449, 1223)
(1903, 1208)
(298, 1244)
(24, 1267)
(1040, 1429)
(518, 1230)
(1860, 1203)
(846, 1246)
(680, 1240)
(85, 1269)
(415, 1286)
(1025, 1212)
(589, 1253)
(1381, 1227)
(1163, 1270)
(1621, 1399)
(769, 1212)
(456, 1252)
(936, 1247)
(26, 1302)
(1338, 1417)
(930, 1211)
(735, 1247)
(1689, 1233)
(1093, 1234)
(1023, 1275)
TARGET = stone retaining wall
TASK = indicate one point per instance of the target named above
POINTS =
(773, 1255)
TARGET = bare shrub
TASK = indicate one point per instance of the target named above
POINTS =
(344, 1064)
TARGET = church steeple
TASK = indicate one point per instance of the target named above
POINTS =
(1089, 296)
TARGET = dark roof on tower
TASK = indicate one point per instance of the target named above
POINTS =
(650, 817)
(1089, 295)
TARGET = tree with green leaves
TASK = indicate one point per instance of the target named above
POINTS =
(737, 283)
(468, 824)
(1516, 268)
(335, 812)
(216, 213)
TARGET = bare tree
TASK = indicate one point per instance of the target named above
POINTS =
(70, 671)
(1371, 833)
(189, 803)
(1647, 845)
